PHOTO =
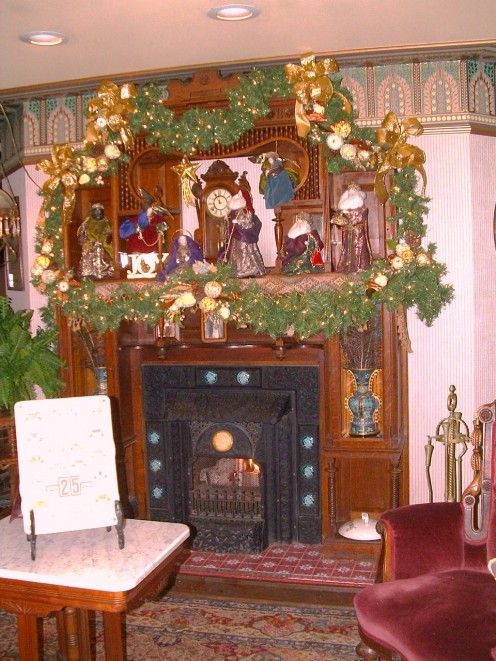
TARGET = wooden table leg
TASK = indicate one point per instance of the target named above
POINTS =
(29, 641)
(114, 643)
(84, 635)
(74, 634)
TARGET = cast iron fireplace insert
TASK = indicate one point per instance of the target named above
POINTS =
(234, 452)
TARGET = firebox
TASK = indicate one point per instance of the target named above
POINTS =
(234, 452)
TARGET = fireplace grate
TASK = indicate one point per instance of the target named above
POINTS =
(226, 503)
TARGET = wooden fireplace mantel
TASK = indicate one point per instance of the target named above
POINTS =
(357, 474)
(368, 474)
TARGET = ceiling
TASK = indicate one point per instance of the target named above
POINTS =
(155, 38)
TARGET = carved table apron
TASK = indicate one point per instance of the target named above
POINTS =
(81, 571)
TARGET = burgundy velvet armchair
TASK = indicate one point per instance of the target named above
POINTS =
(438, 598)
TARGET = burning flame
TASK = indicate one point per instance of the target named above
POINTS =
(253, 467)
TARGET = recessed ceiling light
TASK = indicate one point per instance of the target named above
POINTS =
(43, 38)
(234, 12)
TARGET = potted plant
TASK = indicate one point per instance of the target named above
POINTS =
(26, 360)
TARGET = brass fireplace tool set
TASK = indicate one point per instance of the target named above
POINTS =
(453, 433)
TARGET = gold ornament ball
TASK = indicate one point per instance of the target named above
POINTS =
(423, 259)
(89, 164)
(396, 262)
(112, 151)
(207, 304)
(342, 128)
(407, 255)
(213, 289)
(47, 246)
(42, 261)
(102, 163)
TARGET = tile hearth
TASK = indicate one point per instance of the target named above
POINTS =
(285, 563)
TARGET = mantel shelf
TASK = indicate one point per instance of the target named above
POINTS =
(271, 285)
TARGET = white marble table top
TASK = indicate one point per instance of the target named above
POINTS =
(89, 559)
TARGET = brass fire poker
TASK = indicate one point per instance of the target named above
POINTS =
(449, 432)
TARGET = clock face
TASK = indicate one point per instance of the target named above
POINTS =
(216, 202)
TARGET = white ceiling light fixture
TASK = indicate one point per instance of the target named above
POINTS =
(233, 12)
(43, 38)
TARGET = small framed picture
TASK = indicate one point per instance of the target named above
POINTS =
(213, 328)
(167, 329)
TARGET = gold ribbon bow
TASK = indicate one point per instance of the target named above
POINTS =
(61, 170)
(312, 84)
(110, 108)
(400, 153)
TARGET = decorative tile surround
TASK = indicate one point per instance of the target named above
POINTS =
(442, 94)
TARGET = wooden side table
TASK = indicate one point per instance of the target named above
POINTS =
(80, 571)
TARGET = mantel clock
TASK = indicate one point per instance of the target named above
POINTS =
(220, 186)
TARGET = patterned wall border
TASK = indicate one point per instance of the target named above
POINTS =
(440, 93)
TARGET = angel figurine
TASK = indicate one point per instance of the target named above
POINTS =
(278, 178)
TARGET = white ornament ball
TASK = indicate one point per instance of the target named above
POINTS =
(334, 141)
(224, 312)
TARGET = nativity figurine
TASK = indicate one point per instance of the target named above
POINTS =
(302, 247)
(240, 248)
(141, 232)
(184, 253)
(95, 238)
(352, 217)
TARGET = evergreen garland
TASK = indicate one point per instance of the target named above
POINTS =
(413, 282)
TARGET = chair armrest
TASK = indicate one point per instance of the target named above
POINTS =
(420, 539)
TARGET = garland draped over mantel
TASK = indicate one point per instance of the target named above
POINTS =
(409, 277)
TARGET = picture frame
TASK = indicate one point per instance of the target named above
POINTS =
(167, 330)
(13, 257)
(213, 328)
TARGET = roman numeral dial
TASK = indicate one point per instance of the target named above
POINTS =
(217, 201)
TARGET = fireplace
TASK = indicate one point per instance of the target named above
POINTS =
(234, 452)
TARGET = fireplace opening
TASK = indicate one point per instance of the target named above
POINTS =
(228, 488)
(235, 453)
(226, 505)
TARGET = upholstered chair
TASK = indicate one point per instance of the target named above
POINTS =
(438, 598)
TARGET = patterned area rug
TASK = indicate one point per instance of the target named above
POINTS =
(182, 629)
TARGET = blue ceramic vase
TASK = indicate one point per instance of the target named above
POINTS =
(100, 374)
(363, 404)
